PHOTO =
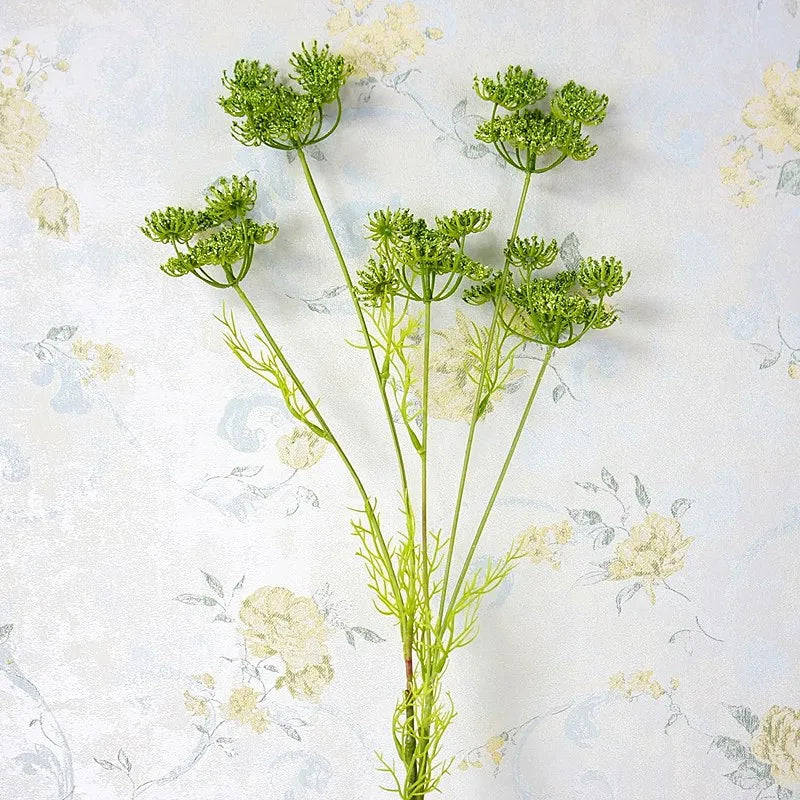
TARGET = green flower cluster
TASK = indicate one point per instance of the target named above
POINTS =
(514, 90)
(411, 256)
(225, 235)
(528, 132)
(275, 113)
(555, 310)
(530, 253)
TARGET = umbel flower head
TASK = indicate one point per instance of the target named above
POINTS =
(412, 258)
(222, 234)
(554, 310)
(269, 110)
(528, 133)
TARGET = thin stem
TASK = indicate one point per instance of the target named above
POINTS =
(368, 508)
(476, 408)
(426, 355)
(52, 171)
(362, 323)
(500, 478)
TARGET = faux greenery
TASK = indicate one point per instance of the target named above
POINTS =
(417, 580)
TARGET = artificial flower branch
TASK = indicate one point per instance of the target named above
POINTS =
(415, 265)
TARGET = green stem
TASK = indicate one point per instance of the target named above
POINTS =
(368, 508)
(406, 622)
(500, 478)
(426, 356)
(476, 408)
(362, 323)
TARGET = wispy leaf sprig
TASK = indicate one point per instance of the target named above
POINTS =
(269, 110)
(221, 235)
(530, 132)
(416, 261)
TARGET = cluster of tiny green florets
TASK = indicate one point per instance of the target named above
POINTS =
(531, 253)
(410, 255)
(463, 223)
(603, 277)
(528, 132)
(174, 225)
(274, 113)
(576, 103)
(554, 310)
(515, 89)
(225, 235)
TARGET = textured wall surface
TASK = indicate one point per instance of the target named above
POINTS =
(182, 613)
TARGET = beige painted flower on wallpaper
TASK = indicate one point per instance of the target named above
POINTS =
(639, 684)
(375, 45)
(653, 551)
(776, 115)
(740, 177)
(242, 707)
(196, 706)
(794, 371)
(105, 360)
(453, 365)
(308, 682)
(279, 622)
(777, 742)
(22, 131)
(55, 210)
(301, 448)
(541, 544)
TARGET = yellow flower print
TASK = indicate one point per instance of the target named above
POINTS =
(777, 742)
(653, 551)
(638, 684)
(81, 348)
(301, 448)
(22, 131)
(539, 544)
(206, 679)
(374, 46)
(340, 21)
(453, 366)
(55, 210)
(308, 682)
(278, 622)
(794, 371)
(242, 707)
(738, 176)
(107, 361)
(196, 706)
(562, 531)
(617, 682)
(776, 115)
(496, 749)
(674, 684)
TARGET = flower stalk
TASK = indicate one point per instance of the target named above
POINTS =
(415, 265)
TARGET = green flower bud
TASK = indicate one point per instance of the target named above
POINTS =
(230, 198)
(515, 89)
(578, 104)
(603, 277)
(463, 223)
(171, 226)
(530, 254)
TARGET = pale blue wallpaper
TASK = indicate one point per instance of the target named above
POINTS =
(182, 616)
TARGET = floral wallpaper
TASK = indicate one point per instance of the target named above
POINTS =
(181, 612)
